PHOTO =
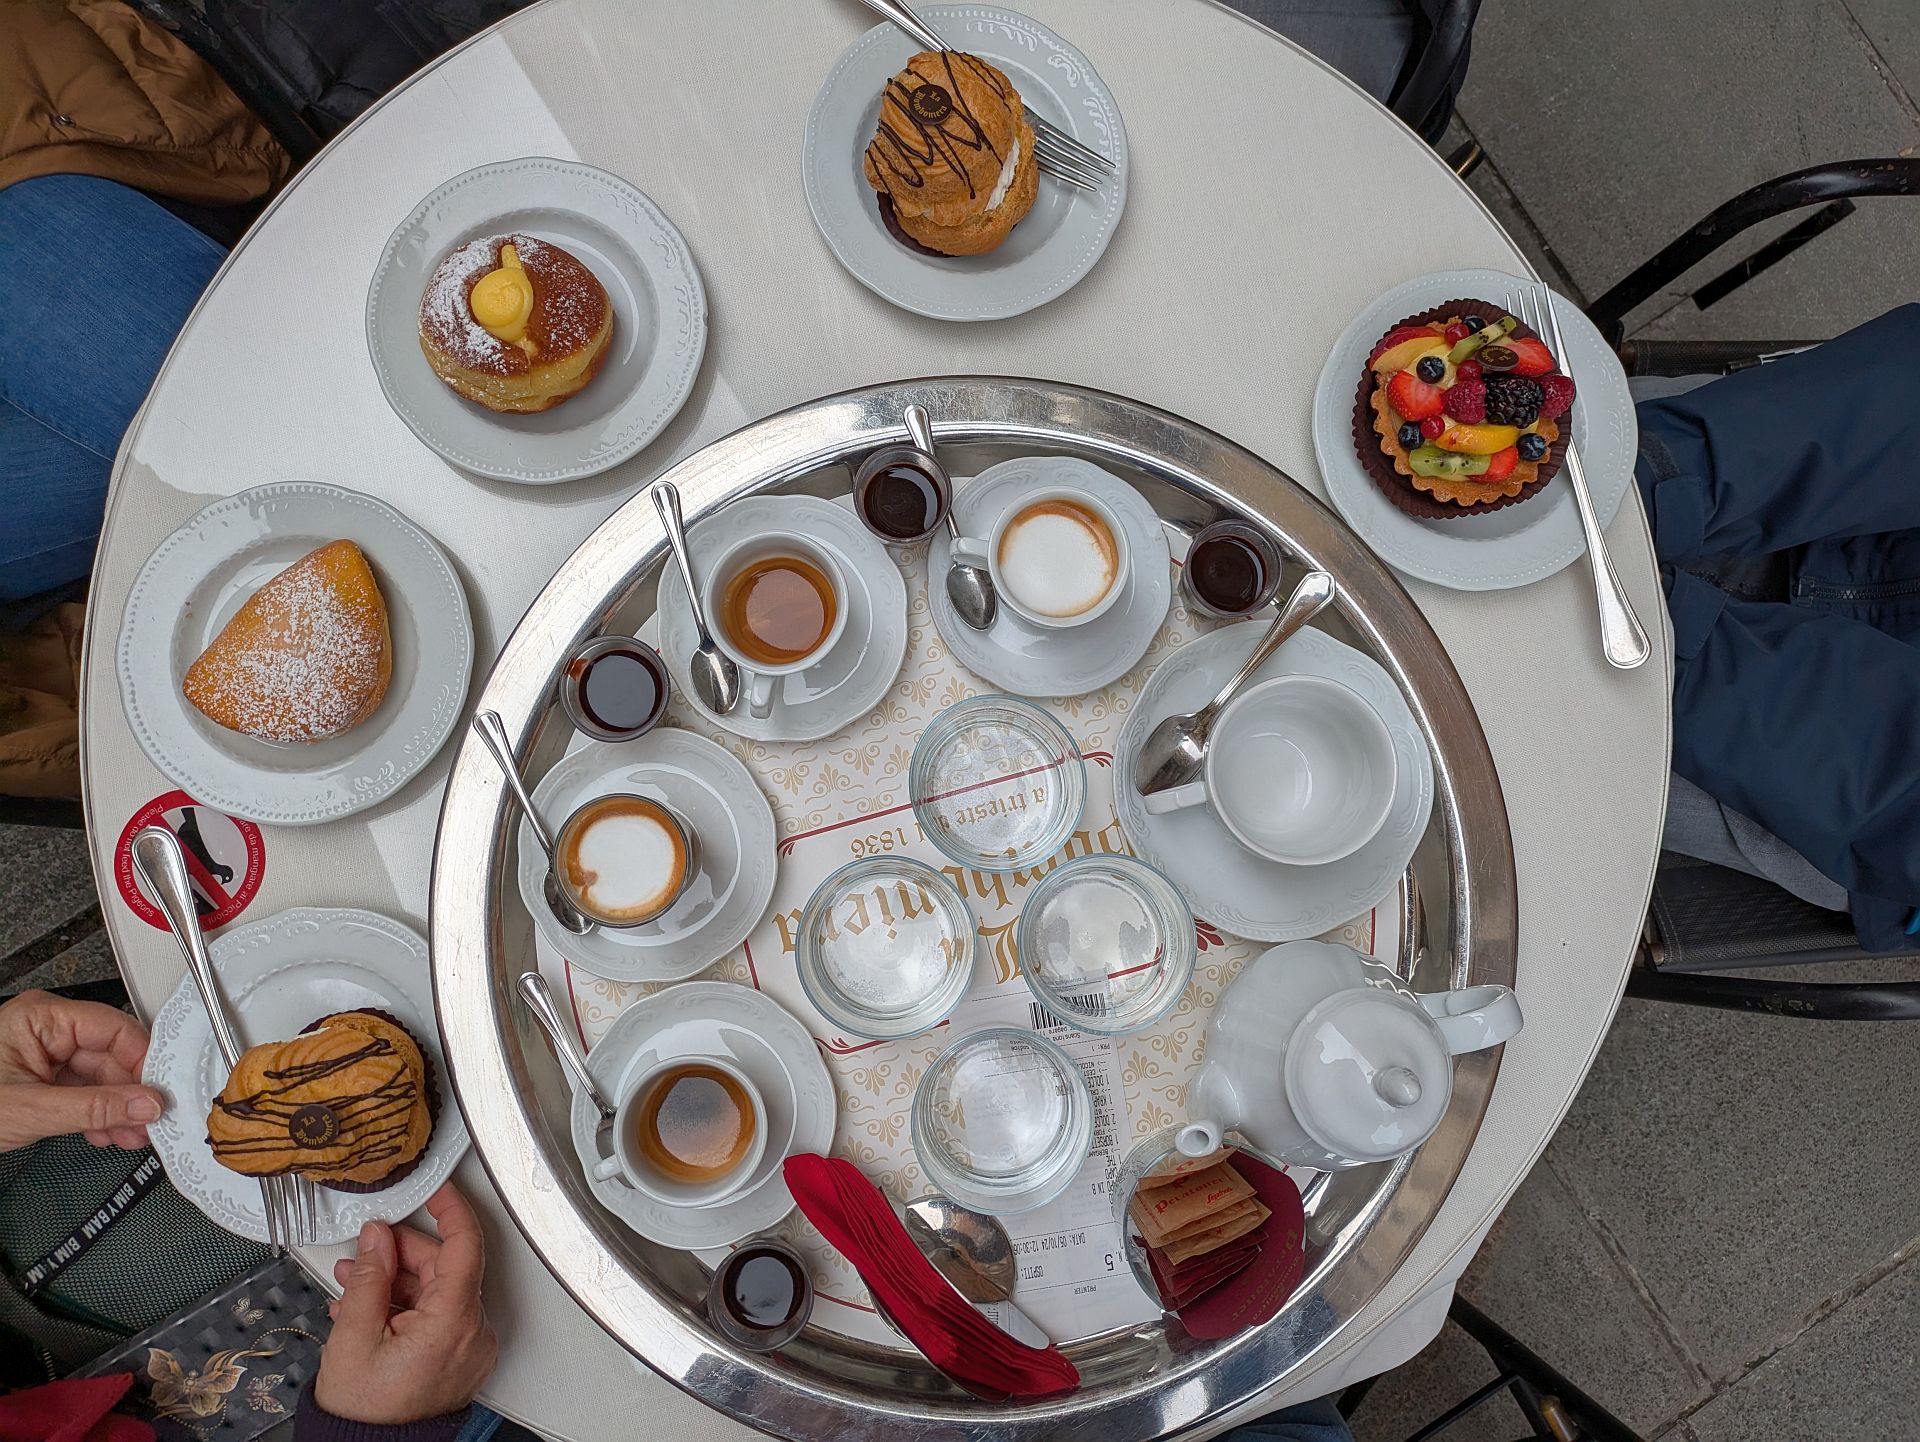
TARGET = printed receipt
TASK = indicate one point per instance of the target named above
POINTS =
(1074, 1278)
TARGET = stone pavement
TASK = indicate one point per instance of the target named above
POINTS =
(1718, 1243)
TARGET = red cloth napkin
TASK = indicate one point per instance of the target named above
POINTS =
(852, 1214)
(71, 1411)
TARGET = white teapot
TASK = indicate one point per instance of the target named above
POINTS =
(1323, 1058)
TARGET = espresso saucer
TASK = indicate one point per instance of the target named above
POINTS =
(1237, 889)
(855, 675)
(717, 796)
(700, 1020)
(1028, 660)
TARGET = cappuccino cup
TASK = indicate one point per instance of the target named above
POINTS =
(1057, 556)
(624, 860)
(777, 604)
(689, 1132)
(1299, 768)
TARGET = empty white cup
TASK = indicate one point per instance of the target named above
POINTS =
(1299, 768)
(627, 1160)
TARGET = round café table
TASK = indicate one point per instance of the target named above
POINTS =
(1270, 201)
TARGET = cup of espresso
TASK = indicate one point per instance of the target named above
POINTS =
(1057, 556)
(777, 603)
(614, 688)
(689, 1132)
(1300, 769)
(624, 859)
(1232, 570)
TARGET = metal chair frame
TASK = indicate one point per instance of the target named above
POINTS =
(1554, 1407)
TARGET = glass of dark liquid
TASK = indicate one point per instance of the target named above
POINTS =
(614, 688)
(1232, 570)
(901, 494)
(761, 1295)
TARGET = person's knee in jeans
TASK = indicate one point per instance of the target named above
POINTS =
(100, 280)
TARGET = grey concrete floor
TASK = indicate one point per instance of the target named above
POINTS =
(1718, 1243)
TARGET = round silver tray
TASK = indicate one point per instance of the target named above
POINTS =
(1137, 1383)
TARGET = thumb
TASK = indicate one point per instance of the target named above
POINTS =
(362, 1318)
(51, 1111)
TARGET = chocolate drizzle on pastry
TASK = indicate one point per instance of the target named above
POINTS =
(377, 1119)
(940, 124)
(348, 1102)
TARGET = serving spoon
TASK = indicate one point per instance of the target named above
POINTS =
(1177, 748)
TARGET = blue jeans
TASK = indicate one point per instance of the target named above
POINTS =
(1786, 517)
(1315, 1421)
(99, 281)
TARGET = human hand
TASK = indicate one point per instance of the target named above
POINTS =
(72, 1066)
(430, 1356)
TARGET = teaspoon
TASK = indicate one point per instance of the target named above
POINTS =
(494, 733)
(1175, 752)
(969, 587)
(716, 680)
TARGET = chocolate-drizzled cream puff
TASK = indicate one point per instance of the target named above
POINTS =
(952, 158)
(350, 1103)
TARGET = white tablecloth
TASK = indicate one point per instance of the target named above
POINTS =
(1270, 200)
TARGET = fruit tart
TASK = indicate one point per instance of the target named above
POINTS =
(1462, 410)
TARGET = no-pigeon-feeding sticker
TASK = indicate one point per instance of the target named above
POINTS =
(226, 859)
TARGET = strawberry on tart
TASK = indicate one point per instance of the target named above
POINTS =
(1461, 411)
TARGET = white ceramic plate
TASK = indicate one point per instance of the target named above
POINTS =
(856, 674)
(1030, 660)
(659, 319)
(717, 795)
(1055, 244)
(1225, 883)
(279, 975)
(1512, 547)
(203, 573)
(698, 1020)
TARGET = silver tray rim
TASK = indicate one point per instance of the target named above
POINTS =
(497, 1065)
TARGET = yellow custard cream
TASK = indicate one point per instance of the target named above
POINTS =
(503, 299)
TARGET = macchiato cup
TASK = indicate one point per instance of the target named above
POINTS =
(776, 604)
(624, 860)
(1057, 556)
(688, 1132)
(1299, 768)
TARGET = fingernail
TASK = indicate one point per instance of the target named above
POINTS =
(369, 1236)
(143, 1108)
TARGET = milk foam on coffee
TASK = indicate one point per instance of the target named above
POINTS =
(626, 860)
(1058, 558)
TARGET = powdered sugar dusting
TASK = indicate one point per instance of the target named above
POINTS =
(569, 305)
(311, 666)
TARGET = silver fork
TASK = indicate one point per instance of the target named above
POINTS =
(1059, 154)
(1622, 637)
(158, 858)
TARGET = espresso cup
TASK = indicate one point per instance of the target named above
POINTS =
(1058, 556)
(774, 620)
(624, 860)
(1299, 769)
(689, 1132)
